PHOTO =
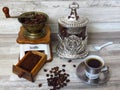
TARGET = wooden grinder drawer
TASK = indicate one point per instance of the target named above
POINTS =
(30, 65)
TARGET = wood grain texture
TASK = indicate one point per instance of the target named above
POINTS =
(10, 52)
(103, 15)
(102, 10)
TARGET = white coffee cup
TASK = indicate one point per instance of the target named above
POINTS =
(94, 65)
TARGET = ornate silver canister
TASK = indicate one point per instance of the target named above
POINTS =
(72, 35)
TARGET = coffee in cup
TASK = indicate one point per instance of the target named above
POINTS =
(94, 65)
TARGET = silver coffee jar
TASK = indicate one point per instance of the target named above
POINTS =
(72, 35)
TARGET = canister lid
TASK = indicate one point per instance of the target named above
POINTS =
(73, 20)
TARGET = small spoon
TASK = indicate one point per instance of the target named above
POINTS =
(100, 47)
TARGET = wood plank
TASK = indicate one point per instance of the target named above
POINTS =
(102, 11)
(105, 16)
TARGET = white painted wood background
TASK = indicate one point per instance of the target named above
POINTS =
(104, 15)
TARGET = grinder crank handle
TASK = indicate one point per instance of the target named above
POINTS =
(6, 12)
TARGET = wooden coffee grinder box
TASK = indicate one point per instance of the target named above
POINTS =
(30, 65)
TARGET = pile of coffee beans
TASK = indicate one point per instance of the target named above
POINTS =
(35, 19)
(57, 78)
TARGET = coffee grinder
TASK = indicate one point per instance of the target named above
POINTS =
(34, 41)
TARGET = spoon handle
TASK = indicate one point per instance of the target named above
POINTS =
(106, 44)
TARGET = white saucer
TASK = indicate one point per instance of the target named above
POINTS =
(103, 77)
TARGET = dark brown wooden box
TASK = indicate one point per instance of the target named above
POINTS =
(30, 65)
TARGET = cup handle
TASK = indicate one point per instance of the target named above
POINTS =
(104, 69)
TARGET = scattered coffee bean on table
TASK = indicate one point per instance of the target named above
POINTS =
(57, 78)
(63, 65)
(45, 70)
(74, 65)
(67, 80)
(69, 60)
(40, 85)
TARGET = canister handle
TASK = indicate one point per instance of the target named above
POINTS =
(73, 14)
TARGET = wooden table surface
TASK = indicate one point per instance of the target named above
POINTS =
(10, 52)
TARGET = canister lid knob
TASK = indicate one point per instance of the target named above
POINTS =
(73, 14)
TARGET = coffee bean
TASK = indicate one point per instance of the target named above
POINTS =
(56, 68)
(59, 71)
(62, 85)
(63, 70)
(67, 80)
(40, 85)
(51, 75)
(63, 65)
(65, 84)
(45, 70)
(68, 75)
(69, 60)
(50, 71)
(74, 65)
(47, 75)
